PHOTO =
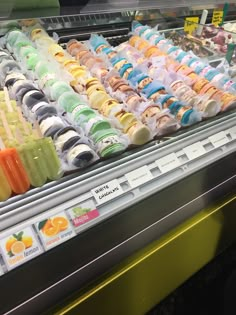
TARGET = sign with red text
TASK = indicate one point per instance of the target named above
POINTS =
(83, 213)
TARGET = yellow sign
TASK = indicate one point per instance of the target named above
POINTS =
(217, 17)
(190, 24)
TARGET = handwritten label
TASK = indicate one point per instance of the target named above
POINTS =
(217, 17)
(83, 213)
(139, 176)
(54, 230)
(232, 132)
(19, 247)
(190, 24)
(194, 150)
(168, 162)
(219, 139)
(107, 191)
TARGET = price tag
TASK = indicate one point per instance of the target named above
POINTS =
(217, 17)
(54, 230)
(195, 150)
(107, 191)
(232, 132)
(19, 247)
(83, 213)
(190, 24)
(139, 176)
(219, 139)
(168, 162)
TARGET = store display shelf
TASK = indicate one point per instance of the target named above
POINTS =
(158, 166)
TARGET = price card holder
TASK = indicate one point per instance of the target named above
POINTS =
(217, 17)
(83, 213)
(232, 132)
(139, 176)
(168, 163)
(19, 247)
(219, 139)
(107, 191)
(54, 230)
(194, 150)
(190, 24)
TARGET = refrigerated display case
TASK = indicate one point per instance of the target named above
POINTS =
(133, 227)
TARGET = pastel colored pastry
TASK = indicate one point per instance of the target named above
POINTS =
(80, 155)
(66, 139)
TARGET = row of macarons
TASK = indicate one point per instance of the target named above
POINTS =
(209, 91)
(97, 95)
(106, 139)
(185, 115)
(193, 65)
(121, 90)
(74, 149)
(174, 82)
(159, 121)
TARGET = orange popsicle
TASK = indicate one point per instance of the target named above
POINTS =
(11, 164)
(5, 189)
(14, 171)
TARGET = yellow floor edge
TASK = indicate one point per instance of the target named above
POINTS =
(144, 279)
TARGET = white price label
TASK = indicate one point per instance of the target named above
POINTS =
(168, 163)
(232, 132)
(139, 176)
(219, 139)
(54, 230)
(194, 150)
(107, 191)
(19, 247)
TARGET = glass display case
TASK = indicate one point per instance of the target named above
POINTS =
(58, 237)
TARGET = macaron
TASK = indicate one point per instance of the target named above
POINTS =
(12, 78)
(32, 60)
(126, 119)
(125, 70)
(59, 88)
(209, 108)
(107, 106)
(50, 124)
(198, 85)
(139, 134)
(96, 124)
(66, 138)
(80, 155)
(69, 99)
(108, 143)
(7, 66)
(21, 87)
(42, 108)
(85, 115)
(32, 97)
(97, 98)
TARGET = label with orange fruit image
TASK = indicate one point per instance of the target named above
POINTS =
(54, 230)
(19, 247)
(83, 213)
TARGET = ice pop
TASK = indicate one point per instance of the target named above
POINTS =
(12, 166)
(5, 189)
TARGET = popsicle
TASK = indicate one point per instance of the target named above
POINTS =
(52, 165)
(5, 189)
(31, 156)
(12, 166)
